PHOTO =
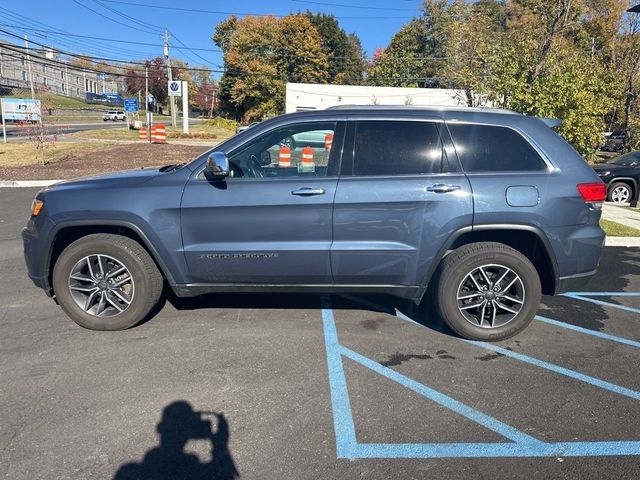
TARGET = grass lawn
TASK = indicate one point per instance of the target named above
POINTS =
(614, 229)
(202, 132)
(23, 153)
(51, 100)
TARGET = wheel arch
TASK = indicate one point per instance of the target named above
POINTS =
(629, 181)
(68, 233)
(527, 239)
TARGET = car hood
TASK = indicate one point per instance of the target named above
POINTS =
(120, 179)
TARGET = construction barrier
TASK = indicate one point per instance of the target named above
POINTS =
(328, 141)
(142, 134)
(159, 134)
(284, 157)
(307, 165)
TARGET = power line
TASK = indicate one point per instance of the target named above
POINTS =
(247, 14)
(113, 20)
(40, 28)
(363, 7)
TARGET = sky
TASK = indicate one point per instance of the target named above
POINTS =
(375, 22)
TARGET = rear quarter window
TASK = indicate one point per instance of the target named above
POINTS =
(488, 148)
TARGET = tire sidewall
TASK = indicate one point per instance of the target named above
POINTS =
(447, 293)
(82, 248)
(616, 185)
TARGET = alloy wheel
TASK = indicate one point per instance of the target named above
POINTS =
(101, 285)
(490, 296)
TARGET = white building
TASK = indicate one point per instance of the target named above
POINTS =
(314, 96)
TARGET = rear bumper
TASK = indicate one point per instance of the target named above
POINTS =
(573, 282)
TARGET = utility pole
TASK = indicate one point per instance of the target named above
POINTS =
(146, 102)
(26, 47)
(172, 100)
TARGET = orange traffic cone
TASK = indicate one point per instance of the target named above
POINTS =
(307, 164)
(161, 134)
(328, 141)
(284, 157)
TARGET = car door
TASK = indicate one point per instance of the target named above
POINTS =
(399, 199)
(270, 222)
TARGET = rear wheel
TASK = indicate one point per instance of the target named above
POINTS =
(620, 192)
(487, 291)
(106, 282)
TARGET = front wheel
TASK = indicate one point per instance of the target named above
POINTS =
(106, 282)
(487, 291)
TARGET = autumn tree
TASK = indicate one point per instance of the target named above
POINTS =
(135, 79)
(261, 54)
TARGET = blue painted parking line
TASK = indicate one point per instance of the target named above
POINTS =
(586, 331)
(584, 297)
(520, 444)
(546, 365)
(596, 382)
(605, 294)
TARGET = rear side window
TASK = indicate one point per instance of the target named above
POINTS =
(397, 148)
(487, 148)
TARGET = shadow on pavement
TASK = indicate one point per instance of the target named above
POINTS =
(179, 424)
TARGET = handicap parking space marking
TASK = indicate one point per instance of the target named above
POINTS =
(586, 331)
(586, 297)
(627, 392)
(521, 445)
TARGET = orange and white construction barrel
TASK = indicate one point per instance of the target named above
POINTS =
(284, 157)
(160, 134)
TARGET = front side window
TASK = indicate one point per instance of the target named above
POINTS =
(488, 148)
(397, 148)
(298, 150)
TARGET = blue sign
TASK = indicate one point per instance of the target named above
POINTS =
(20, 109)
(131, 105)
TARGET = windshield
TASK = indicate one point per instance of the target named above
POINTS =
(627, 160)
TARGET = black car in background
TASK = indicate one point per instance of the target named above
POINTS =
(622, 177)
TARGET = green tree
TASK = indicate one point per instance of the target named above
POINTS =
(261, 54)
(402, 63)
(344, 52)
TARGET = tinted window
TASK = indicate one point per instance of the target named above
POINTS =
(485, 148)
(397, 148)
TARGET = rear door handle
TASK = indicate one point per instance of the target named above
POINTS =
(308, 191)
(442, 188)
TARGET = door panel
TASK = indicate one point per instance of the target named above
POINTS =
(257, 231)
(401, 203)
(387, 230)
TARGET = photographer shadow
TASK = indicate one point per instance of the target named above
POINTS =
(179, 424)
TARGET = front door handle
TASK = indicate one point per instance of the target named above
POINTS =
(442, 188)
(308, 191)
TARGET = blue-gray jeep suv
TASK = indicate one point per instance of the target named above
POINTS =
(487, 207)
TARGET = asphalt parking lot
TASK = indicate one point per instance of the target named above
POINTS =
(291, 386)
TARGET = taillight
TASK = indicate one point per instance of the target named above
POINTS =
(593, 192)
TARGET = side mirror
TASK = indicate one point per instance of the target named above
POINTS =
(217, 166)
(265, 158)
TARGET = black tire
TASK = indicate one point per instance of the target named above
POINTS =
(455, 269)
(620, 187)
(147, 280)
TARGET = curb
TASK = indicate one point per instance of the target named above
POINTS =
(622, 242)
(27, 183)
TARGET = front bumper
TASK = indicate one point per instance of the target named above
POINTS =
(36, 253)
